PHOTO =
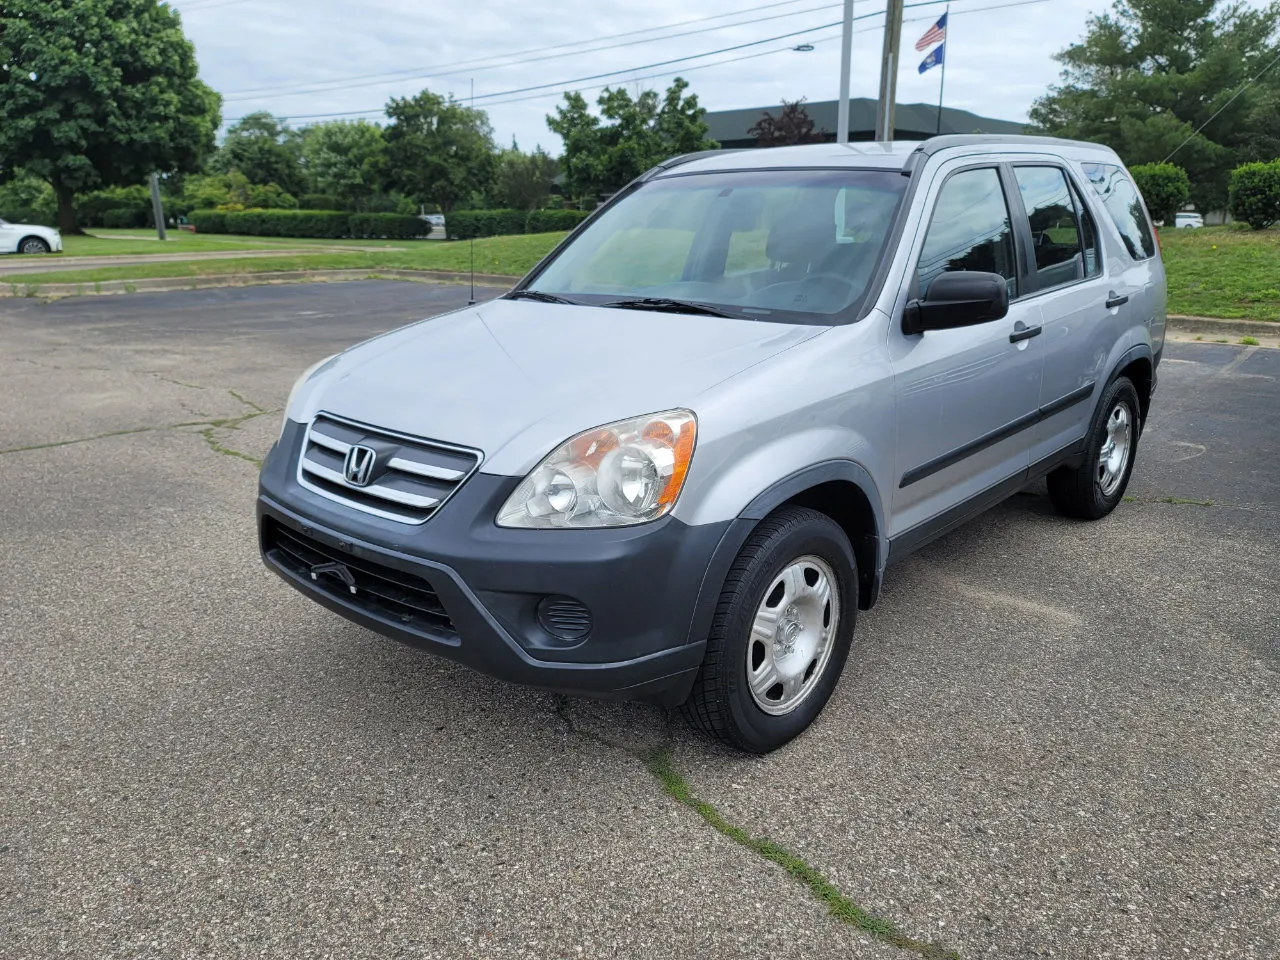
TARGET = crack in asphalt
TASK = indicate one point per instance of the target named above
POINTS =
(658, 761)
(209, 426)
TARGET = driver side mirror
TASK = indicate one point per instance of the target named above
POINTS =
(960, 298)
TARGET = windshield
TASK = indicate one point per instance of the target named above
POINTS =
(788, 245)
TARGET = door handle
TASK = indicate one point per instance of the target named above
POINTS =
(1115, 300)
(1022, 332)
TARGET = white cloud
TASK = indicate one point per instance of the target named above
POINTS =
(302, 57)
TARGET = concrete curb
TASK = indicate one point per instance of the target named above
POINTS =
(1211, 329)
(56, 291)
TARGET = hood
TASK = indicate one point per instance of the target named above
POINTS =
(515, 378)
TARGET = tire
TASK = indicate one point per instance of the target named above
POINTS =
(33, 245)
(733, 697)
(1092, 490)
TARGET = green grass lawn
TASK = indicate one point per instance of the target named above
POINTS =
(507, 256)
(1228, 272)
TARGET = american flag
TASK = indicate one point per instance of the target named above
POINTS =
(935, 34)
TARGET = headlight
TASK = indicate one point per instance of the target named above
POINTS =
(311, 371)
(613, 476)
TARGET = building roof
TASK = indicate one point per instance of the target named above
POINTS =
(912, 121)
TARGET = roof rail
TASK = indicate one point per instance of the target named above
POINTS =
(948, 141)
(686, 158)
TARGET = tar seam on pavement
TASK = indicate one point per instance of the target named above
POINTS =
(658, 762)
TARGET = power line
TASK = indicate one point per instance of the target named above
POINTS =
(400, 74)
(1195, 133)
(765, 53)
(493, 99)
(470, 69)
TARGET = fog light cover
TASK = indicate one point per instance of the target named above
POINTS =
(564, 618)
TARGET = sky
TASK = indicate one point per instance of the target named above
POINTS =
(310, 60)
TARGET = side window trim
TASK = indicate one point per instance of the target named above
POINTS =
(927, 221)
(1081, 199)
(1028, 278)
(1024, 227)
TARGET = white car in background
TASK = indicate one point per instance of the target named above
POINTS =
(1188, 220)
(28, 238)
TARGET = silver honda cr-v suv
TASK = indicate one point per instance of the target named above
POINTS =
(676, 460)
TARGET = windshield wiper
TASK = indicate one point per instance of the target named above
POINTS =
(540, 297)
(668, 305)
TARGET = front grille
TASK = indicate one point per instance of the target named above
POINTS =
(409, 478)
(403, 599)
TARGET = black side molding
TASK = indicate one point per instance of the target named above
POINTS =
(916, 474)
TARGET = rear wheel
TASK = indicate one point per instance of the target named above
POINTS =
(1092, 490)
(781, 633)
(33, 245)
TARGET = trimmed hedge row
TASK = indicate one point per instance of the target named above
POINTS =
(126, 218)
(208, 221)
(466, 224)
(391, 226)
(323, 224)
(549, 221)
(289, 223)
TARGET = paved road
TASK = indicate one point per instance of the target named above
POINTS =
(1053, 739)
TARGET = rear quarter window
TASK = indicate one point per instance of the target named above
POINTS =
(1123, 203)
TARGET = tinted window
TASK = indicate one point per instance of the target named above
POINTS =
(1055, 225)
(969, 230)
(1123, 204)
(790, 245)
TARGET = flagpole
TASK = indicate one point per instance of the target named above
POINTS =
(943, 84)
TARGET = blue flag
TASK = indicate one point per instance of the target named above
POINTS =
(934, 59)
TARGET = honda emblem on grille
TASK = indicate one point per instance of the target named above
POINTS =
(358, 468)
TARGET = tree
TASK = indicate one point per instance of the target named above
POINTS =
(438, 151)
(603, 158)
(346, 159)
(1151, 72)
(1164, 187)
(99, 93)
(524, 179)
(793, 125)
(265, 150)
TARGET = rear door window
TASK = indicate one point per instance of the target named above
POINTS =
(1123, 203)
(1055, 225)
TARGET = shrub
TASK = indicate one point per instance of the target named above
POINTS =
(320, 201)
(392, 226)
(547, 221)
(92, 208)
(1254, 195)
(125, 218)
(325, 224)
(1164, 187)
(26, 199)
(208, 221)
(465, 224)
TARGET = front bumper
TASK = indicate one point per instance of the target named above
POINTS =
(644, 586)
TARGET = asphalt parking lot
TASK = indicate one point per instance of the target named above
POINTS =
(1053, 739)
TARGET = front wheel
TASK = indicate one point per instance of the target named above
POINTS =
(781, 633)
(1092, 490)
(33, 245)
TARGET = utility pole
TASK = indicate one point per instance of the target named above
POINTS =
(157, 205)
(889, 70)
(846, 65)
